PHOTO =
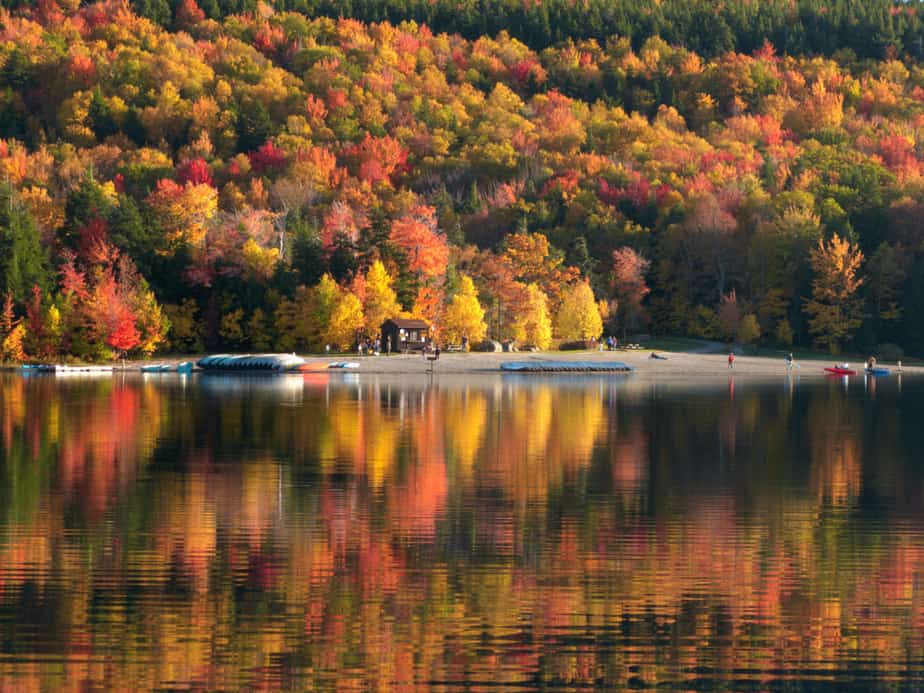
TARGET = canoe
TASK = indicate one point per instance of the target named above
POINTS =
(878, 371)
(155, 368)
(184, 367)
(545, 366)
(312, 366)
(841, 371)
(251, 362)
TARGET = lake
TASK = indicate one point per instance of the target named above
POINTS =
(485, 532)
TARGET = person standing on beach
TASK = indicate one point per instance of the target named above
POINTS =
(731, 359)
(789, 361)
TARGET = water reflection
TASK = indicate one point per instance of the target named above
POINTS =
(367, 533)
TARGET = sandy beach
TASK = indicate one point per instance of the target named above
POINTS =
(678, 365)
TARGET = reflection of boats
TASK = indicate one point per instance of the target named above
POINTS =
(251, 362)
(268, 385)
(60, 369)
(546, 366)
(837, 370)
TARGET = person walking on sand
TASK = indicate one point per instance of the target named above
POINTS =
(731, 359)
(789, 361)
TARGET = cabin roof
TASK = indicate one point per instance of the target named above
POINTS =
(408, 323)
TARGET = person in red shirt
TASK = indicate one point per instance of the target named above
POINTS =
(731, 360)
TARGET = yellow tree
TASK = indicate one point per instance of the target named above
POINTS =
(579, 317)
(533, 327)
(303, 322)
(380, 302)
(464, 316)
(12, 332)
(346, 320)
(531, 259)
(835, 309)
(322, 301)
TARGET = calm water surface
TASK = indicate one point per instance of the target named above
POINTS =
(488, 533)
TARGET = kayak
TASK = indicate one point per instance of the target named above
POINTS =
(841, 371)
(878, 371)
(155, 368)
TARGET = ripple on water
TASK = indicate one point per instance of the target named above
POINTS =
(477, 534)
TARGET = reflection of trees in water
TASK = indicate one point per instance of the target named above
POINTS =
(397, 534)
(836, 471)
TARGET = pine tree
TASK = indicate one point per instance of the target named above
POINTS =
(23, 259)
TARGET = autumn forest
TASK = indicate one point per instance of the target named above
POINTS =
(252, 176)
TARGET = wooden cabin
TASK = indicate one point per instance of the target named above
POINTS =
(404, 334)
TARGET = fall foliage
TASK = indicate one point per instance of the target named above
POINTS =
(380, 302)
(834, 309)
(464, 316)
(532, 325)
(578, 317)
(236, 156)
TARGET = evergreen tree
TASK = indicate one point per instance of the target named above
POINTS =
(23, 259)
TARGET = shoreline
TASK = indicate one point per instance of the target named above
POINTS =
(676, 364)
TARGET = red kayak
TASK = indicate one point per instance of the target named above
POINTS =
(841, 371)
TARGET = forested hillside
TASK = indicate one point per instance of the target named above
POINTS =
(182, 177)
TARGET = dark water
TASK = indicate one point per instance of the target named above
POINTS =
(489, 533)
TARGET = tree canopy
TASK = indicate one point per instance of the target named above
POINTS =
(668, 154)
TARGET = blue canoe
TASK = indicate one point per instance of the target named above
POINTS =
(181, 367)
(155, 368)
(251, 362)
(877, 371)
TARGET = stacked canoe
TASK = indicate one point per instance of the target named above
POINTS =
(546, 366)
(273, 363)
